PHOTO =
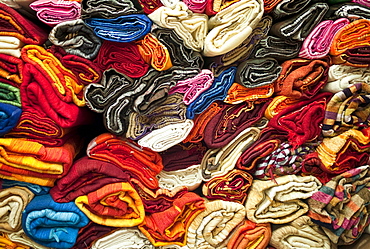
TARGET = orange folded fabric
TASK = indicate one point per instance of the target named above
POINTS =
(278, 104)
(238, 93)
(11, 68)
(6, 243)
(269, 5)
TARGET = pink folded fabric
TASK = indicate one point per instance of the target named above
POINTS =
(318, 42)
(197, 6)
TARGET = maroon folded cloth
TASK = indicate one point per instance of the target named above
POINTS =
(124, 57)
(231, 120)
(11, 69)
(149, 6)
(312, 165)
(89, 233)
(87, 175)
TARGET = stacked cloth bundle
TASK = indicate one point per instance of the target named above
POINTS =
(184, 124)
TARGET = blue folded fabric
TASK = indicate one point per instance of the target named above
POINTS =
(36, 189)
(53, 224)
(9, 116)
(121, 29)
(217, 91)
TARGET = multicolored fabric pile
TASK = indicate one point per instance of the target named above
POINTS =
(193, 124)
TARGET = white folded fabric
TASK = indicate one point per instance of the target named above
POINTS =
(166, 137)
(10, 45)
(191, 27)
(21, 237)
(128, 238)
(231, 26)
(170, 3)
(190, 177)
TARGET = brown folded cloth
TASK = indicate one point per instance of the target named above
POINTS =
(89, 233)
(361, 243)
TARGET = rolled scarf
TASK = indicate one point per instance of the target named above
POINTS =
(193, 87)
(11, 68)
(171, 111)
(7, 243)
(212, 228)
(230, 27)
(107, 8)
(191, 177)
(34, 188)
(116, 204)
(9, 116)
(196, 6)
(22, 6)
(302, 78)
(341, 77)
(217, 91)
(352, 35)
(52, 224)
(179, 53)
(269, 5)
(125, 28)
(302, 121)
(318, 42)
(330, 150)
(245, 49)
(347, 109)
(288, 8)
(129, 238)
(13, 24)
(257, 72)
(280, 201)
(125, 58)
(250, 235)
(340, 206)
(278, 48)
(22, 239)
(232, 186)
(356, 57)
(218, 162)
(143, 163)
(230, 121)
(362, 2)
(171, 225)
(12, 203)
(149, 6)
(32, 162)
(313, 166)
(182, 156)
(278, 104)
(301, 231)
(285, 160)
(53, 12)
(75, 37)
(190, 27)
(300, 25)
(238, 94)
(164, 138)
(154, 52)
(348, 10)
(10, 45)
(90, 233)
(51, 89)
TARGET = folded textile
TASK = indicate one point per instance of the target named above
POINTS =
(288, 7)
(143, 163)
(53, 12)
(300, 232)
(75, 37)
(362, 2)
(169, 135)
(171, 225)
(299, 26)
(125, 58)
(217, 91)
(347, 109)
(107, 8)
(356, 57)
(278, 48)
(278, 104)
(90, 233)
(269, 5)
(250, 235)
(9, 96)
(125, 28)
(7, 243)
(34, 188)
(312, 165)
(213, 7)
(193, 87)
(154, 52)
(11, 68)
(217, 162)
(232, 186)
(352, 35)
(128, 238)
(179, 53)
(238, 94)
(341, 77)
(22, 6)
(51, 89)
(302, 78)
(191, 177)
(23, 240)
(302, 121)
(13, 200)
(190, 27)
(348, 10)
(10, 45)
(212, 228)
(149, 6)
(196, 6)
(15, 25)
(230, 27)
(230, 121)
(362, 242)
(116, 204)
(341, 207)
(9, 116)
(280, 201)
(317, 44)
(52, 224)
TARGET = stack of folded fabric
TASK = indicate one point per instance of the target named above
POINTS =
(184, 124)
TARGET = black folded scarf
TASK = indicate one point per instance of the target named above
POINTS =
(288, 7)
(347, 10)
(278, 48)
(107, 8)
